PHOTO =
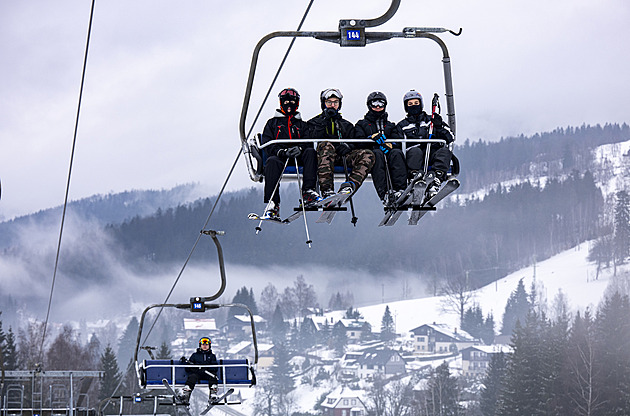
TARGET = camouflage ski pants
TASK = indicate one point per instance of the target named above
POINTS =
(361, 161)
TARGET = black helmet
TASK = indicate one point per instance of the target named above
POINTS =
(410, 95)
(330, 92)
(204, 340)
(289, 94)
(376, 96)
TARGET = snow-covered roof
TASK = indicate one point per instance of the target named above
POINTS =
(246, 319)
(493, 349)
(202, 324)
(235, 349)
(459, 335)
(340, 393)
(377, 356)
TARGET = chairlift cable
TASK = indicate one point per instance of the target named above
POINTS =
(230, 174)
(275, 78)
(65, 203)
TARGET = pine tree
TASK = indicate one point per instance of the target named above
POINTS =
(111, 375)
(612, 329)
(281, 370)
(278, 327)
(493, 384)
(164, 353)
(517, 307)
(622, 227)
(388, 330)
(10, 351)
(127, 343)
(245, 297)
(339, 338)
(524, 392)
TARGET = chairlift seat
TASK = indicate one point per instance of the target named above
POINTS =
(232, 373)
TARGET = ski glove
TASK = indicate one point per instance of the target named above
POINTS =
(437, 121)
(294, 151)
(383, 145)
(343, 149)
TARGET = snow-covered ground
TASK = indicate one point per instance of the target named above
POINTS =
(569, 271)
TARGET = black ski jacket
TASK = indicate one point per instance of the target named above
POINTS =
(202, 357)
(322, 128)
(374, 123)
(282, 127)
(417, 127)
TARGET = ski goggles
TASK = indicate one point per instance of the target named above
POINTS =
(289, 91)
(377, 103)
(204, 341)
(332, 92)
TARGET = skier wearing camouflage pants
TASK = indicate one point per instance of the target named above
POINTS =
(331, 125)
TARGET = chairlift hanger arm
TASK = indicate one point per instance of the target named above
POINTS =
(370, 37)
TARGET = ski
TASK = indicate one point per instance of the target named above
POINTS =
(316, 206)
(214, 401)
(335, 205)
(401, 204)
(176, 400)
(450, 186)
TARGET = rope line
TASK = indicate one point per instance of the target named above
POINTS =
(65, 202)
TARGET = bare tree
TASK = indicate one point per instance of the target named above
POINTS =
(457, 295)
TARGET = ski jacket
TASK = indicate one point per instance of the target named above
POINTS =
(282, 127)
(202, 357)
(377, 123)
(417, 127)
(322, 128)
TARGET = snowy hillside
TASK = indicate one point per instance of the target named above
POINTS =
(611, 169)
(569, 271)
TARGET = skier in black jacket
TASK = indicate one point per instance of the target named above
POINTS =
(203, 356)
(389, 158)
(330, 125)
(287, 124)
(416, 126)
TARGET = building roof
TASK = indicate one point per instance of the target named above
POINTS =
(379, 356)
(202, 324)
(492, 349)
(444, 329)
(341, 393)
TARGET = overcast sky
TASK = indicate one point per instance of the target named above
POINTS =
(165, 80)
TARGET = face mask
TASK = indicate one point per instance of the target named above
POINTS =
(414, 110)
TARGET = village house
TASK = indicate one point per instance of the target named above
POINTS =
(440, 339)
(239, 326)
(381, 361)
(356, 329)
(344, 402)
(476, 359)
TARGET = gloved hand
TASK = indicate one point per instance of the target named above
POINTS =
(343, 149)
(437, 121)
(183, 360)
(281, 153)
(332, 113)
(294, 151)
(381, 140)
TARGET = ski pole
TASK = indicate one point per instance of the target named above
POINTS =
(297, 171)
(345, 169)
(259, 227)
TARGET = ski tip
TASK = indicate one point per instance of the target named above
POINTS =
(253, 216)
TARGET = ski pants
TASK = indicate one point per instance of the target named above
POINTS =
(194, 377)
(395, 161)
(272, 172)
(439, 158)
(360, 160)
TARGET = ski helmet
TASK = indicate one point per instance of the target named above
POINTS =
(204, 340)
(291, 95)
(328, 93)
(376, 96)
(410, 95)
